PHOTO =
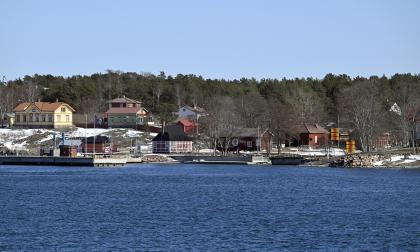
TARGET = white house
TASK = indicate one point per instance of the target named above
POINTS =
(192, 113)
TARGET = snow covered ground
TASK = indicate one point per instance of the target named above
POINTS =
(334, 152)
(24, 139)
(397, 160)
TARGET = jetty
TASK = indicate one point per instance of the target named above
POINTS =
(61, 161)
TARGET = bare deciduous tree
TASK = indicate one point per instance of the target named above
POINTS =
(304, 105)
(221, 121)
(407, 97)
(364, 111)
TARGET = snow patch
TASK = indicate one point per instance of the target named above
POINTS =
(407, 161)
(396, 158)
(82, 132)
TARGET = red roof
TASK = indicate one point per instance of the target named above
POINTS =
(42, 106)
(187, 123)
(133, 110)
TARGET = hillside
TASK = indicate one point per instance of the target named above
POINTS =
(30, 140)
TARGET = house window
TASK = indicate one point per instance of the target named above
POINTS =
(30, 117)
(17, 118)
(43, 118)
(33, 110)
(24, 118)
(50, 118)
(249, 144)
(58, 118)
(63, 109)
(141, 120)
(67, 118)
(36, 117)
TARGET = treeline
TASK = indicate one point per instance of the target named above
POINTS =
(359, 103)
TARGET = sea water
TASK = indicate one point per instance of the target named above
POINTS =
(208, 207)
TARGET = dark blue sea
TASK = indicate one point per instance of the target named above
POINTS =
(208, 207)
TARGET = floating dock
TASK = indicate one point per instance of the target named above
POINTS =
(61, 161)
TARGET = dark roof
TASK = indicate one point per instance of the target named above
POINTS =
(246, 132)
(98, 139)
(174, 132)
(311, 129)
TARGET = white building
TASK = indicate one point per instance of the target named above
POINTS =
(192, 113)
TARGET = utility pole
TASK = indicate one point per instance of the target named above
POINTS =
(85, 134)
(94, 135)
(338, 126)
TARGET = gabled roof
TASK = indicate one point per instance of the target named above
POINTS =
(98, 139)
(195, 109)
(247, 132)
(311, 129)
(125, 110)
(42, 106)
(187, 123)
(124, 100)
(71, 142)
(172, 132)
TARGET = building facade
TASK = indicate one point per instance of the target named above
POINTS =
(248, 139)
(313, 135)
(191, 113)
(172, 139)
(98, 144)
(43, 115)
(126, 113)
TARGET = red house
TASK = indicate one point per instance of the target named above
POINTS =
(98, 144)
(172, 139)
(189, 126)
(312, 135)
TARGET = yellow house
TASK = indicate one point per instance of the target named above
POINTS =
(43, 115)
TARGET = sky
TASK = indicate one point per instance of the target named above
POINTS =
(226, 39)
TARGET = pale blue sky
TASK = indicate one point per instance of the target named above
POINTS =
(212, 38)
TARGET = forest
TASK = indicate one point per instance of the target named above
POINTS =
(363, 104)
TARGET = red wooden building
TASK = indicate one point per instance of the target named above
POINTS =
(248, 139)
(189, 126)
(172, 139)
(98, 144)
(312, 135)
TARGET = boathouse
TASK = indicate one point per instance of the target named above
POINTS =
(248, 139)
(172, 139)
(313, 135)
(98, 144)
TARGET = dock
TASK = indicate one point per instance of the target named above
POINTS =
(61, 161)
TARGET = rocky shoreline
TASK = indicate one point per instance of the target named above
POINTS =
(377, 160)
